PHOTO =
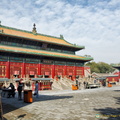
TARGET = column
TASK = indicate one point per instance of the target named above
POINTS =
(8, 69)
(53, 71)
(23, 70)
(39, 69)
(74, 73)
(65, 70)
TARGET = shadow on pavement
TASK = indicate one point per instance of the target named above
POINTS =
(51, 97)
(109, 113)
(117, 98)
(12, 113)
(117, 90)
(13, 106)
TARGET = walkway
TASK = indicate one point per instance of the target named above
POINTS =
(89, 104)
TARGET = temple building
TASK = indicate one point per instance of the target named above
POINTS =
(31, 54)
(115, 77)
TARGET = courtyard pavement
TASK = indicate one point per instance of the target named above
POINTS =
(87, 104)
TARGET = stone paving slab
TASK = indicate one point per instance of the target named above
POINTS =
(90, 104)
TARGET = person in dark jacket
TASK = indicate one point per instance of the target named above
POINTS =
(36, 89)
(12, 90)
(20, 88)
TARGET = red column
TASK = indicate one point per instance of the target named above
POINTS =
(39, 69)
(8, 70)
(23, 70)
(53, 71)
(65, 70)
(83, 71)
(74, 73)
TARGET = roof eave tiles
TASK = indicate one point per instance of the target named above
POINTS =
(43, 53)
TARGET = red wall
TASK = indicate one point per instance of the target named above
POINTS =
(80, 71)
(3, 69)
(113, 79)
(8, 69)
(31, 69)
(46, 69)
(15, 69)
(59, 70)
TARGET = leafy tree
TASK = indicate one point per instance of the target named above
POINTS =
(104, 67)
(100, 67)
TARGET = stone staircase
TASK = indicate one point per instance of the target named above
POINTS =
(62, 84)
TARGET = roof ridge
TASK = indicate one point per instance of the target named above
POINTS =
(50, 36)
(30, 32)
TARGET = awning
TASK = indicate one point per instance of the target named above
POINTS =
(16, 72)
(18, 79)
(4, 79)
(59, 73)
(32, 72)
(47, 73)
(70, 74)
(42, 79)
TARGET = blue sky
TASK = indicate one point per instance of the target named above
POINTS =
(94, 24)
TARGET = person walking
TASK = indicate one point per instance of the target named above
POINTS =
(79, 84)
(84, 84)
(36, 89)
(20, 88)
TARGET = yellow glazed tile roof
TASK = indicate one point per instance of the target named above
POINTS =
(39, 37)
(42, 52)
